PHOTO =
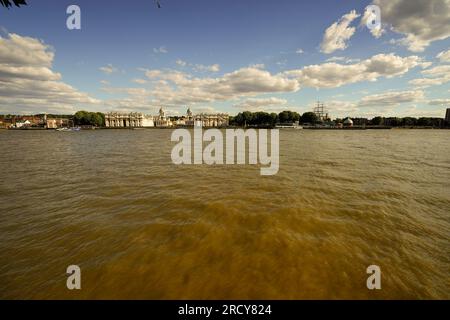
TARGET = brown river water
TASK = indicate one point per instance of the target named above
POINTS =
(140, 227)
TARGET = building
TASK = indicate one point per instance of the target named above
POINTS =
(55, 123)
(124, 120)
(23, 124)
(212, 120)
(348, 123)
(128, 120)
(447, 115)
(161, 120)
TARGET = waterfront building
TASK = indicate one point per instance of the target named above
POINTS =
(55, 123)
(348, 123)
(128, 120)
(203, 119)
(134, 119)
(161, 120)
(23, 124)
(212, 120)
(447, 115)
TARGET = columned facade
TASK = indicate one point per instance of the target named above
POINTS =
(124, 120)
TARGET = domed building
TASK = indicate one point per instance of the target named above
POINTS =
(161, 120)
(348, 123)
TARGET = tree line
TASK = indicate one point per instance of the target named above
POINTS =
(401, 122)
(265, 119)
(86, 118)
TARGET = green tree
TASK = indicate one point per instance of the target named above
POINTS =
(409, 121)
(273, 119)
(425, 122)
(377, 121)
(85, 118)
(309, 117)
(288, 117)
(247, 118)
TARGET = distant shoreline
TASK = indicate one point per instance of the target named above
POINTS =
(234, 127)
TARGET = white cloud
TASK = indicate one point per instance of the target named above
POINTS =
(333, 75)
(261, 104)
(28, 83)
(376, 104)
(203, 68)
(108, 69)
(420, 22)
(433, 77)
(257, 66)
(25, 51)
(336, 59)
(342, 59)
(439, 102)
(178, 88)
(299, 51)
(181, 63)
(161, 49)
(444, 56)
(337, 35)
(139, 81)
(391, 98)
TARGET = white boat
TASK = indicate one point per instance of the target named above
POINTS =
(294, 126)
(68, 129)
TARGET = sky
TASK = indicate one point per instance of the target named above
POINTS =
(227, 56)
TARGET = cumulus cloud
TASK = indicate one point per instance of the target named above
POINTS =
(139, 81)
(199, 67)
(333, 75)
(337, 35)
(420, 22)
(392, 98)
(375, 104)
(176, 88)
(261, 104)
(181, 63)
(16, 50)
(203, 68)
(108, 69)
(179, 88)
(444, 56)
(433, 77)
(439, 102)
(161, 49)
(28, 83)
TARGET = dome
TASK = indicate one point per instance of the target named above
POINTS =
(348, 121)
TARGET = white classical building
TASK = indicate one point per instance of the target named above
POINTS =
(136, 119)
(128, 120)
(161, 120)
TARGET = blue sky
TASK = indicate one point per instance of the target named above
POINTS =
(229, 56)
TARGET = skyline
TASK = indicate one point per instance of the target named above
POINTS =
(227, 57)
